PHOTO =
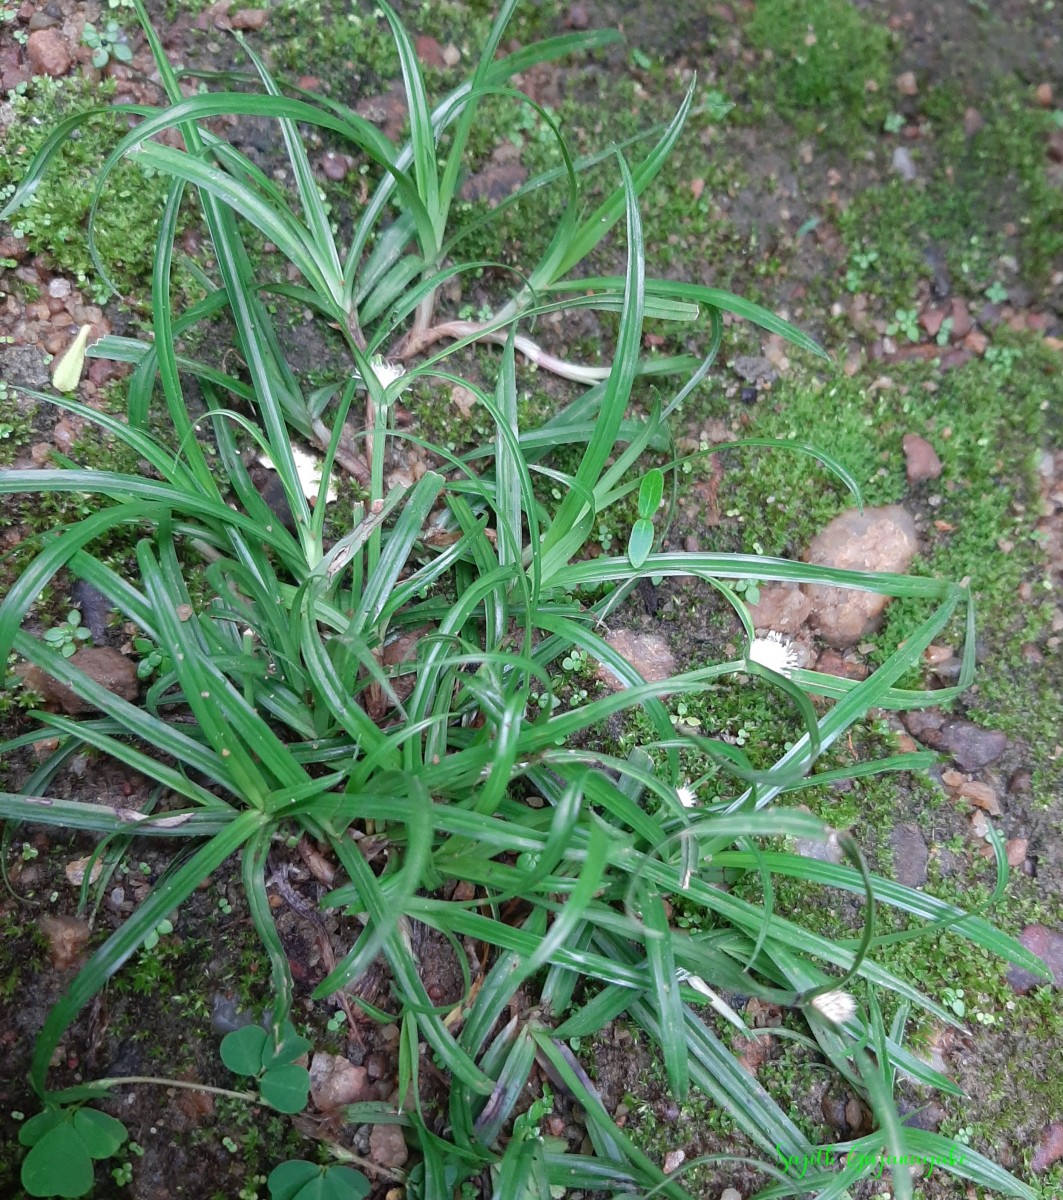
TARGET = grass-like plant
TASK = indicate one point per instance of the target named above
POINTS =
(291, 724)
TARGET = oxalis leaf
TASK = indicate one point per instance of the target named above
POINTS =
(285, 1088)
(251, 1051)
(64, 1143)
(302, 1180)
(241, 1050)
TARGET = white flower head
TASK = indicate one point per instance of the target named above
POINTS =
(688, 797)
(775, 651)
(837, 1007)
(308, 468)
(386, 372)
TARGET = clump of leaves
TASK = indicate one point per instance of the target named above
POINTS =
(107, 42)
(66, 636)
(292, 722)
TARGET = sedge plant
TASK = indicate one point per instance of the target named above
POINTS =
(271, 713)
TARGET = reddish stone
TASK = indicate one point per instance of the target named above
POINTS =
(961, 320)
(831, 662)
(48, 53)
(12, 72)
(973, 121)
(1049, 1148)
(249, 18)
(931, 320)
(429, 52)
(335, 166)
(921, 458)
(1047, 944)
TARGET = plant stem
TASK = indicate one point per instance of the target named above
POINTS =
(123, 1080)
(482, 332)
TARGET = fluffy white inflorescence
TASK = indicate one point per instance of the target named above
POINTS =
(775, 652)
(386, 372)
(308, 468)
(687, 796)
(835, 1006)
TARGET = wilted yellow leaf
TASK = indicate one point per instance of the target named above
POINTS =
(67, 373)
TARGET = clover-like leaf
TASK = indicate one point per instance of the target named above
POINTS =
(101, 1135)
(64, 1143)
(286, 1088)
(58, 1165)
(243, 1049)
(288, 1180)
(292, 1045)
(36, 1127)
(301, 1180)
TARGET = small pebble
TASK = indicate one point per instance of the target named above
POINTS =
(907, 84)
(673, 1160)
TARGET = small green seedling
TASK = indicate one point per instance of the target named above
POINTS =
(748, 589)
(163, 929)
(106, 43)
(64, 1142)
(152, 658)
(65, 637)
(945, 332)
(640, 543)
(954, 998)
(906, 321)
(302, 1180)
(251, 1051)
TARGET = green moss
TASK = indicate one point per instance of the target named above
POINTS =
(825, 54)
(980, 187)
(55, 221)
(16, 430)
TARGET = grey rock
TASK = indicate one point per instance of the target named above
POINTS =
(95, 608)
(923, 723)
(901, 164)
(754, 368)
(909, 855)
(971, 746)
(829, 851)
